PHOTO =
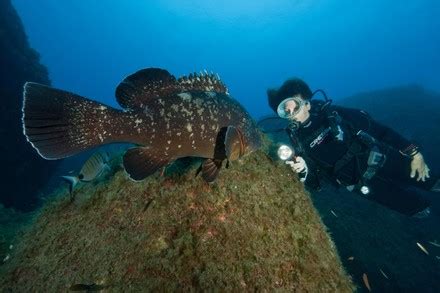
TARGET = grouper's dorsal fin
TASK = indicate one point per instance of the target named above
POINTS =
(203, 81)
(136, 89)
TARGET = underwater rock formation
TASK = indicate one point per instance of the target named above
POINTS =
(254, 229)
(24, 173)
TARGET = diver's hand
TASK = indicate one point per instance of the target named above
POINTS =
(419, 166)
(298, 164)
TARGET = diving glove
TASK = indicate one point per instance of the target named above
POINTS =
(299, 166)
(419, 166)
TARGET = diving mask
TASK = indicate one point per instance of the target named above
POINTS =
(283, 110)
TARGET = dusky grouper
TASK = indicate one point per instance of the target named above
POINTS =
(167, 118)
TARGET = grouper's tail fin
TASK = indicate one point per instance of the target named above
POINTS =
(60, 124)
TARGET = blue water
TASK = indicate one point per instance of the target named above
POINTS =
(342, 46)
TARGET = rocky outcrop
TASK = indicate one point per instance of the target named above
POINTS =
(254, 229)
(23, 172)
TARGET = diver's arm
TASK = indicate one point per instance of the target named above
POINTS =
(306, 172)
(389, 136)
(312, 180)
(360, 120)
(405, 147)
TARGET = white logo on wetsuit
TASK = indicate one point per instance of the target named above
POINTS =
(320, 137)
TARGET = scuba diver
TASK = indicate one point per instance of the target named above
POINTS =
(349, 148)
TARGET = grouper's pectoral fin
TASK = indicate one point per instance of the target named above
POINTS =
(141, 162)
(234, 144)
(210, 169)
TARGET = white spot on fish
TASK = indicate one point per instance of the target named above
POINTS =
(179, 146)
(169, 141)
(102, 108)
(189, 127)
(198, 102)
(178, 133)
(137, 122)
(100, 137)
(186, 112)
(148, 112)
(185, 96)
(175, 107)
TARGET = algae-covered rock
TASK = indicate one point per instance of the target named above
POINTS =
(254, 228)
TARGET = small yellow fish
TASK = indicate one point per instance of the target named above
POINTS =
(366, 282)
(434, 243)
(383, 274)
(334, 214)
(94, 167)
(422, 248)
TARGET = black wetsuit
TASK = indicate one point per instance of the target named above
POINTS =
(329, 144)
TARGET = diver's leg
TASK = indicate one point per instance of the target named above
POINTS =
(392, 195)
(436, 186)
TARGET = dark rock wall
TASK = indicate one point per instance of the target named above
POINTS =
(23, 172)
